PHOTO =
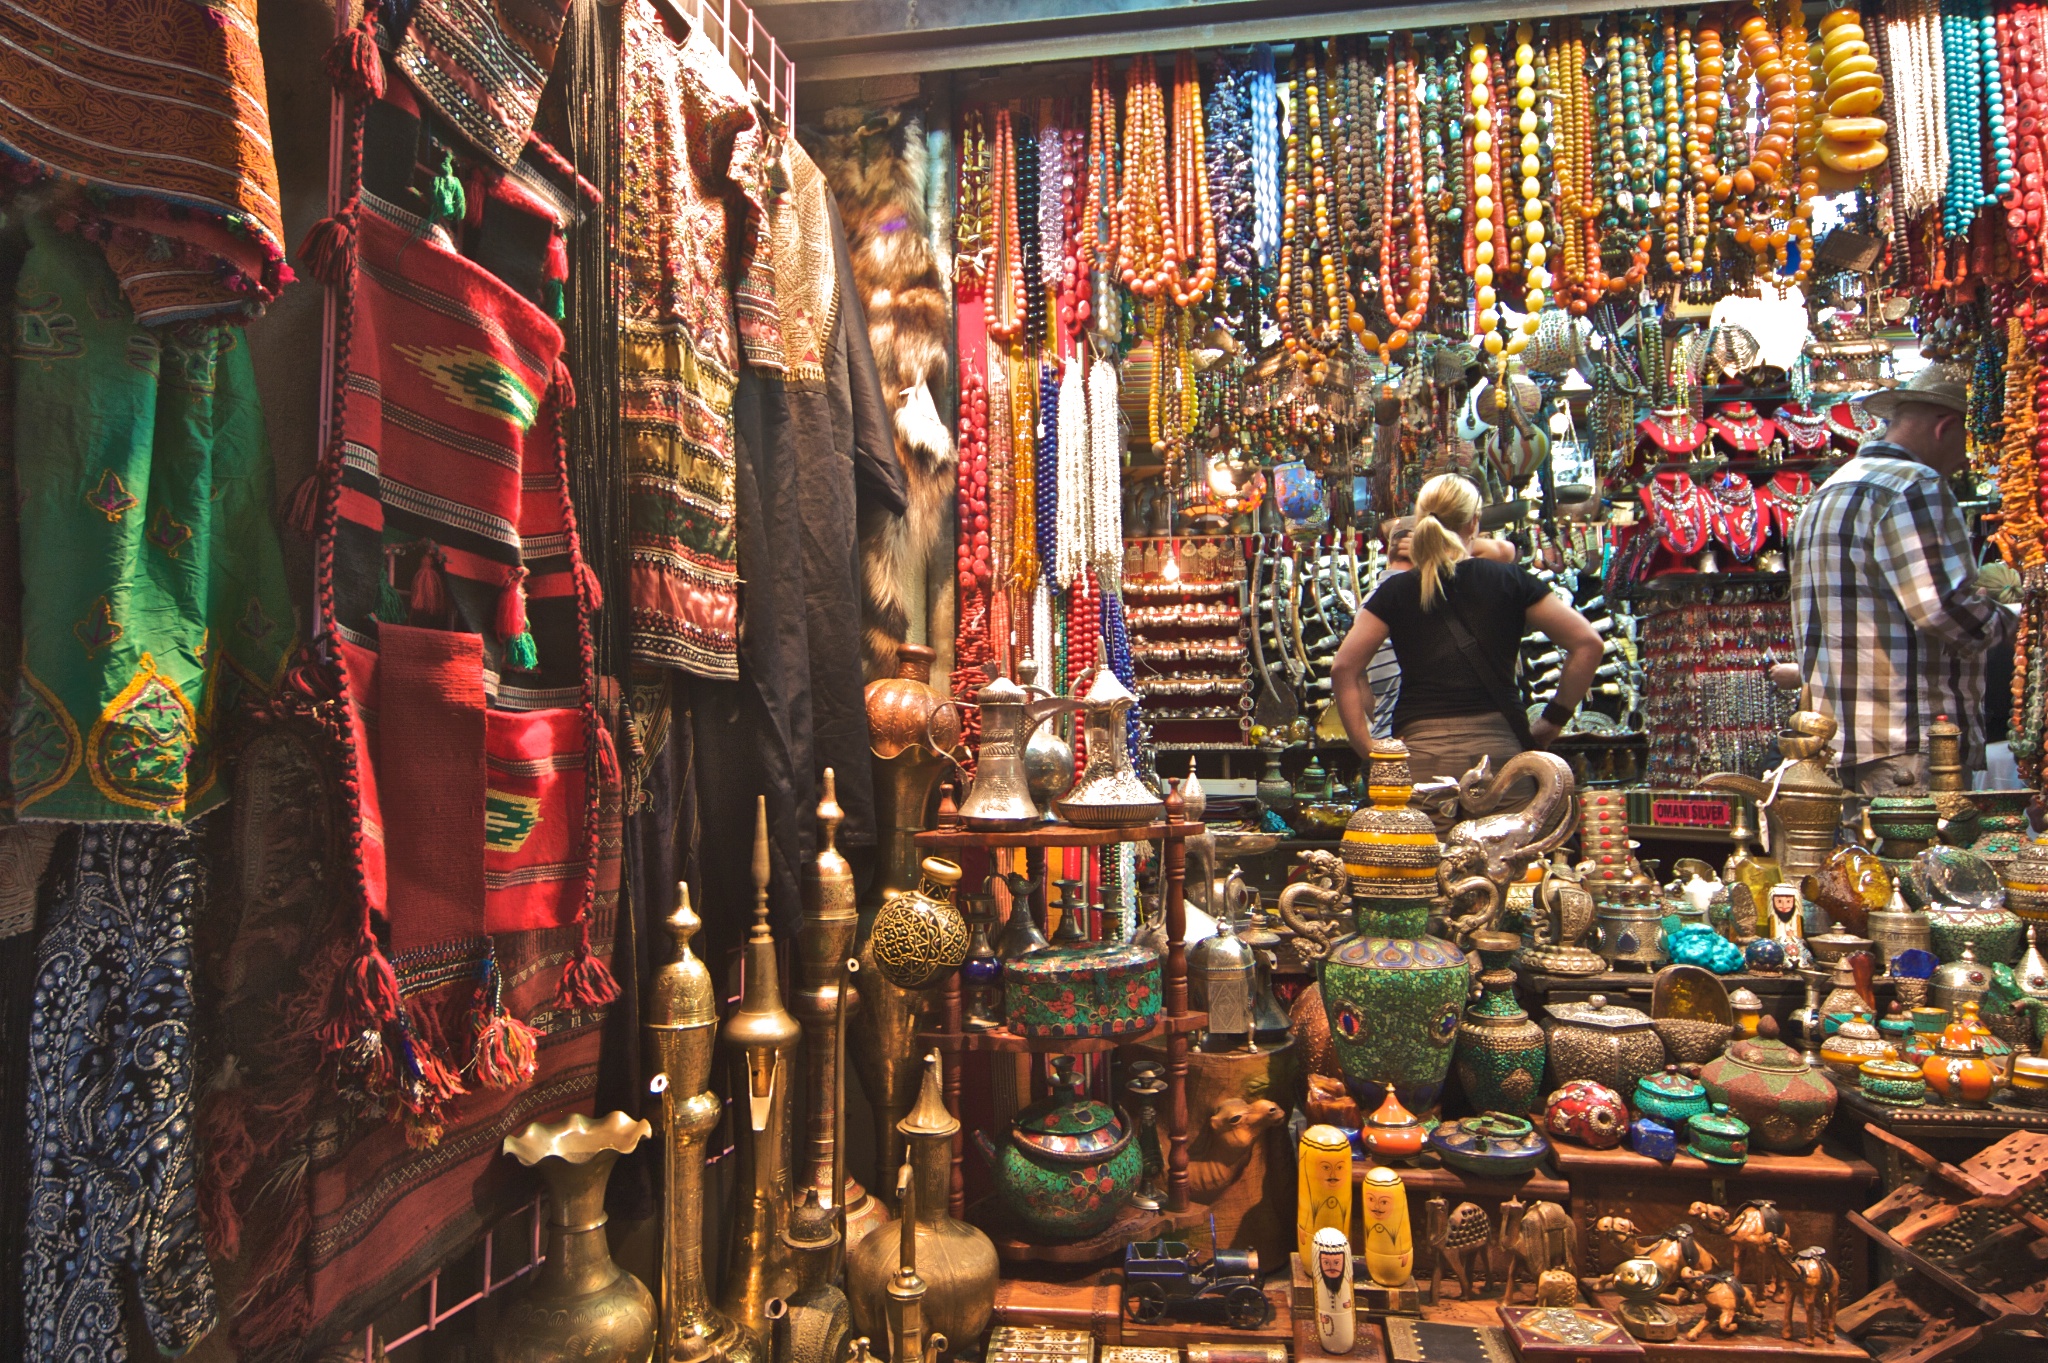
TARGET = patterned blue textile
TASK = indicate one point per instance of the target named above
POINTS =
(113, 1178)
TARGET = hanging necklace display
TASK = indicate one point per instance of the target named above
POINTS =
(1740, 430)
(1673, 433)
(1358, 171)
(1784, 497)
(1680, 509)
(1738, 519)
(1850, 425)
(1191, 237)
(1806, 431)
(1405, 250)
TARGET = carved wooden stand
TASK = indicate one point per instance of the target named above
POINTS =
(1970, 1240)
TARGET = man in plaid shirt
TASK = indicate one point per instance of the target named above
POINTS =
(1891, 625)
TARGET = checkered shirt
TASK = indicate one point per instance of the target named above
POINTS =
(1891, 627)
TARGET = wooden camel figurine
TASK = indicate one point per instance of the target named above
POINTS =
(1750, 1228)
(1675, 1252)
(1728, 1299)
(1814, 1282)
(1220, 1153)
(1535, 1236)
(1458, 1236)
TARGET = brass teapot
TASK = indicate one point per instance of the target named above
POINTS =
(1802, 799)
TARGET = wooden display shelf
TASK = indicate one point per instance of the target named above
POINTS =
(1825, 1163)
(1455, 1185)
(1053, 835)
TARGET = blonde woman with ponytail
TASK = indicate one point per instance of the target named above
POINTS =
(1456, 619)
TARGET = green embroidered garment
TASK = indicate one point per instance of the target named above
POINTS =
(153, 591)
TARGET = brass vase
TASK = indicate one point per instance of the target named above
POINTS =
(763, 1038)
(580, 1306)
(1803, 802)
(956, 1262)
(824, 945)
(682, 1023)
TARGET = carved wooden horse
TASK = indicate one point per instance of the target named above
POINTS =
(1750, 1229)
(1815, 1283)
(1728, 1300)
(1675, 1252)
(1535, 1236)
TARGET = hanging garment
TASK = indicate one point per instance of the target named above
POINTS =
(113, 1201)
(158, 107)
(689, 165)
(482, 64)
(480, 763)
(154, 600)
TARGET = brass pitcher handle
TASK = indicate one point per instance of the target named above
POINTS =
(933, 743)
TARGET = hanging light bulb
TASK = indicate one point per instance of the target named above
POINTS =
(1169, 571)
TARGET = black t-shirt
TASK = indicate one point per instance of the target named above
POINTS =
(1436, 681)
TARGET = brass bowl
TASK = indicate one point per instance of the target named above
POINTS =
(1692, 1041)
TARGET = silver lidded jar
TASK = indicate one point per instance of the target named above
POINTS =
(1609, 1043)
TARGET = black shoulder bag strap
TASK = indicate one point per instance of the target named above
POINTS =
(1500, 690)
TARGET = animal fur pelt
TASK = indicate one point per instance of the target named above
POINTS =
(878, 166)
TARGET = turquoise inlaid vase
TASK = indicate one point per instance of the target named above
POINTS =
(1393, 993)
(1500, 1049)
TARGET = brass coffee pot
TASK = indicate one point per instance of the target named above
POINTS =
(1802, 799)
(1108, 794)
(1000, 799)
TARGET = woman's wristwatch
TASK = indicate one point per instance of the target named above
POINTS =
(1557, 714)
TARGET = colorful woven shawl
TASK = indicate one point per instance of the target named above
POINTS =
(691, 156)
(154, 597)
(158, 108)
(482, 64)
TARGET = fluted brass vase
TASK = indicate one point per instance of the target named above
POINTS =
(682, 1023)
(581, 1306)
(763, 1038)
(955, 1261)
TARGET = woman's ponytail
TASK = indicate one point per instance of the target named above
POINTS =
(1447, 507)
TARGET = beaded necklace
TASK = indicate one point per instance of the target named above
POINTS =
(1045, 488)
(1023, 463)
(1313, 302)
(1483, 229)
(1963, 195)
(1534, 234)
(1700, 134)
(1142, 207)
(1567, 64)
(1231, 178)
(1673, 59)
(1007, 322)
(973, 226)
(1191, 264)
(1099, 240)
(1265, 108)
(1405, 251)
(1031, 241)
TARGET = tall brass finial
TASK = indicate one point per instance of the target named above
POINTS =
(761, 867)
(830, 816)
(930, 1117)
(763, 1035)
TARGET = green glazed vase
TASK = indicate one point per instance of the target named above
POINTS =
(1500, 1051)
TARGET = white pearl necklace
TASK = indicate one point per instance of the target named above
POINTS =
(1088, 528)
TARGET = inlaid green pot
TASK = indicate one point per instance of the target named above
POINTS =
(1500, 1050)
(1069, 1164)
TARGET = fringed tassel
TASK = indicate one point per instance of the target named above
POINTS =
(429, 590)
(592, 589)
(586, 982)
(352, 60)
(446, 202)
(369, 997)
(426, 1083)
(607, 756)
(302, 510)
(228, 1152)
(520, 653)
(564, 385)
(555, 276)
(507, 1052)
(328, 251)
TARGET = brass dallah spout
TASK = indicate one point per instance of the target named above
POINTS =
(682, 1023)
(764, 1036)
